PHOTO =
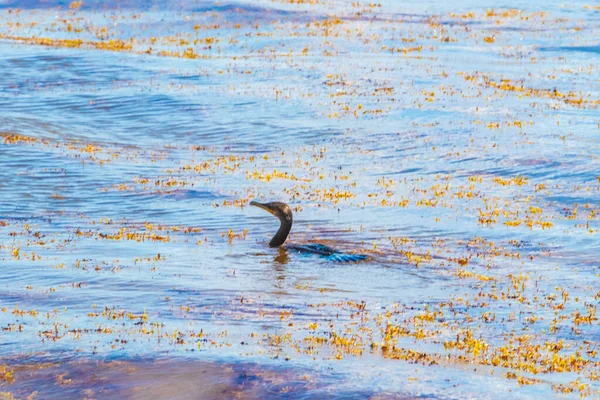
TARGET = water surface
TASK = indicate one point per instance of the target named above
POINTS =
(454, 144)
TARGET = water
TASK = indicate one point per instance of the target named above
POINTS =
(455, 144)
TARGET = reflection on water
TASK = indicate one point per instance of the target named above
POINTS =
(281, 258)
(455, 144)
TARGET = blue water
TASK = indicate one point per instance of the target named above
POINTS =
(456, 145)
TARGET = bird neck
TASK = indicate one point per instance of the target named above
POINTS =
(281, 235)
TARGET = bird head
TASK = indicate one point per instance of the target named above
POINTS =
(278, 209)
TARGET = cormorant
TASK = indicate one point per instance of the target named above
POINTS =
(284, 213)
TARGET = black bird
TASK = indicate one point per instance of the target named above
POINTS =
(284, 213)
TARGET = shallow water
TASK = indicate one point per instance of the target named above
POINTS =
(454, 144)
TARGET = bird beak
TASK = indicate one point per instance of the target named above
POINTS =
(265, 207)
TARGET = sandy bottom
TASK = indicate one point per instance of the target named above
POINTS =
(168, 379)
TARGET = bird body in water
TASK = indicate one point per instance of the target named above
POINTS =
(283, 212)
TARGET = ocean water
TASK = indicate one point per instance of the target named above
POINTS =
(454, 144)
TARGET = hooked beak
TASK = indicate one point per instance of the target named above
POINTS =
(265, 207)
